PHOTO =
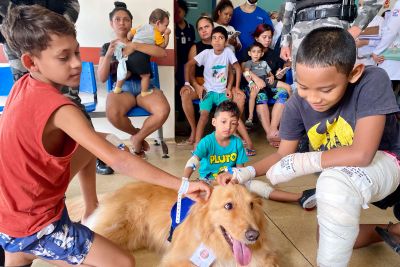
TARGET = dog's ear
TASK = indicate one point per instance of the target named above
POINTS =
(257, 200)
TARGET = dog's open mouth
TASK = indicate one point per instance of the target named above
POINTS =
(241, 252)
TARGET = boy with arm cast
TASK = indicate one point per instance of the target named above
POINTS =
(260, 68)
(347, 111)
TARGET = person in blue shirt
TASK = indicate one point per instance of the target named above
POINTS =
(245, 19)
(223, 151)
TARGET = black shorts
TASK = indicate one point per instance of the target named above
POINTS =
(138, 63)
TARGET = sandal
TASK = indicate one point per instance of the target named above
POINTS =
(140, 154)
(250, 152)
(249, 123)
(392, 240)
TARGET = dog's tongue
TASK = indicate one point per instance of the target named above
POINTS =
(242, 253)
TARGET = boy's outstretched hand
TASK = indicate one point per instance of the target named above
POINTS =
(294, 165)
(198, 191)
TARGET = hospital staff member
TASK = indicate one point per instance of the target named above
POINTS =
(390, 39)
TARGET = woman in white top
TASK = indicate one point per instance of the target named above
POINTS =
(390, 40)
(222, 16)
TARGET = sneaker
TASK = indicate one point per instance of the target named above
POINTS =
(102, 168)
(396, 210)
(249, 123)
(390, 239)
(307, 200)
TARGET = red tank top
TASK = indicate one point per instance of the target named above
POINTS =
(32, 182)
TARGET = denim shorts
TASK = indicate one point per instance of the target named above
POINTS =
(133, 86)
(62, 240)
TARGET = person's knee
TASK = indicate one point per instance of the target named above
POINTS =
(185, 94)
(114, 114)
(203, 116)
(127, 261)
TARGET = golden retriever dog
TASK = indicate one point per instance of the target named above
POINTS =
(231, 224)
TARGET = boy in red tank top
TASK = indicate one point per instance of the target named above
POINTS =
(45, 140)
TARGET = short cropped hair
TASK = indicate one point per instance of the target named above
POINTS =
(227, 106)
(158, 15)
(328, 46)
(221, 30)
(256, 44)
(28, 29)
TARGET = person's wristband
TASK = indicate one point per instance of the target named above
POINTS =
(188, 84)
(251, 82)
(182, 190)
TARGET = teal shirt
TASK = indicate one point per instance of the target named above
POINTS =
(214, 157)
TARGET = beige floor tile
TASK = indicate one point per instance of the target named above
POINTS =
(292, 231)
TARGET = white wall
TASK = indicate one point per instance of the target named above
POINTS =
(94, 30)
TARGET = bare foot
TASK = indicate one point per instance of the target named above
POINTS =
(139, 146)
(146, 93)
(274, 138)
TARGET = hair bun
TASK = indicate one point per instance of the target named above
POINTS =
(119, 4)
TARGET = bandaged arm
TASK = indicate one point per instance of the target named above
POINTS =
(294, 165)
(191, 165)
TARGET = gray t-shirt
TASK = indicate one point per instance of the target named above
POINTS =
(261, 68)
(371, 95)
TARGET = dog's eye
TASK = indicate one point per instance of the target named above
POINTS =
(251, 205)
(228, 206)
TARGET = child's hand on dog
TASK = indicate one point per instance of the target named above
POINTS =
(199, 191)
(225, 178)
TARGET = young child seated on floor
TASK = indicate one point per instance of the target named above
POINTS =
(223, 151)
(138, 63)
(261, 69)
(45, 140)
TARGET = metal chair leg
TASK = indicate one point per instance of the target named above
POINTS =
(164, 146)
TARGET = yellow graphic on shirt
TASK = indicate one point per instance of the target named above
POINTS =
(220, 159)
(338, 133)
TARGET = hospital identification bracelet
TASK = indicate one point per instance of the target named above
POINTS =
(182, 190)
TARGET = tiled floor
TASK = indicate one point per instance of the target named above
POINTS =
(292, 230)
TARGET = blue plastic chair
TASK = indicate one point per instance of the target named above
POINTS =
(141, 112)
(6, 82)
(88, 85)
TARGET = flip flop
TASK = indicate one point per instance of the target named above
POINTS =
(392, 240)
(250, 152)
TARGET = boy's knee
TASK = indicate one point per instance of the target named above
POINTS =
(128, 261)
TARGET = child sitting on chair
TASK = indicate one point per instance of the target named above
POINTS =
(222, 151)
(279, 89)
(138, 63)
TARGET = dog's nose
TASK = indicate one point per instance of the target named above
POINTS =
(252, 235)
